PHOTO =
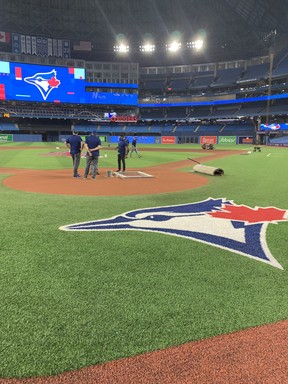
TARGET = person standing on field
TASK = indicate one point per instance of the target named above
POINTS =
(134, 147)
(128, 149)
(75, 144)
(92, 145)
(122, 153)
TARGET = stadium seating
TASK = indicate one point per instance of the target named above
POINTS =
(254, 73)
(176, 113)
(8, 127)
(202, 82)
(227, 77)
(281, 68)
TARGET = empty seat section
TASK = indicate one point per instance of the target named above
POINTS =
(281, 68)
(254, 73)
(176, 113)
(224, 112)
(200, 112)
(226, 77)
(209, 128)
(169, 129)
(202, 82)
(153, 113)
(153, 83)
(278, 107)
(245, 129)
(251, 110)
(185, 129)
(179, 85)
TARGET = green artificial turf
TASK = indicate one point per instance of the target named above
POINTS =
(45, 158)
(72, 299)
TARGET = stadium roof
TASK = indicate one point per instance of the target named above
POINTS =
(233, 29)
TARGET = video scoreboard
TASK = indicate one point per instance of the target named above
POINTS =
(52, 84)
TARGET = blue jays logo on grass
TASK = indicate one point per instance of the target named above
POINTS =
(217, 222)
(45, 82)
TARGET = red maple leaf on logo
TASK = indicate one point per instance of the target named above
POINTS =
(250, 215)
(53, 82)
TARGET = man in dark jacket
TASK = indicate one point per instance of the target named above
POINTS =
(75, 145)
(122, 153)
(92, 144)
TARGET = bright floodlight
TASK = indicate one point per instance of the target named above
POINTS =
(174, 46)
(122, 48)
(197, 44)
(147, 47)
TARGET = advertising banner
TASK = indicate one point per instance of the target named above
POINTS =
(245, 140)
(6, 138)
(168, 139)
(227, 140)
(208, 140)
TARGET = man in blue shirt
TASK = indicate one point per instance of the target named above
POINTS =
(122, 153)
(134, 147)
(75, 145)
(92, 144)
(128, 149)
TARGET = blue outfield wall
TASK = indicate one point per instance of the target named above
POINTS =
(140, 139)
(115, 139)
(245, 139)
(26, 137)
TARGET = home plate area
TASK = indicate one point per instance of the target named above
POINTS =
(131, 174)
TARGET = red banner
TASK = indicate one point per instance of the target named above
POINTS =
(208, 140)
(123, 119)
(248, 140)
(168, 139)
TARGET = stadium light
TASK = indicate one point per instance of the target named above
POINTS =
(197, 44)
(174, 46)
(147, 47)
(121, 44)
(121, 48)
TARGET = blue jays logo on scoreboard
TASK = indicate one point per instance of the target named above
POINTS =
(37, 83)
(44, 82)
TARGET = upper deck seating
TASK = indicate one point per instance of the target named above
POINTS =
(153, 83)
(202, 80)
(254, 73)
(281, 68)
(227, 77)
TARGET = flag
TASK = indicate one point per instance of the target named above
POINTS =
(82, 46)
(4, 37)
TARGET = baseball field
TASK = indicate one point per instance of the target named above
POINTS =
(177, 278)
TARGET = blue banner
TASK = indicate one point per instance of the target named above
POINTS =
(274, 127)
(140, 139)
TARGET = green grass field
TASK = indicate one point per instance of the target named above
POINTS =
(73, 299)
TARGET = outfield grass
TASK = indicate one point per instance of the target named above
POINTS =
(70, 299)
(39, 157)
